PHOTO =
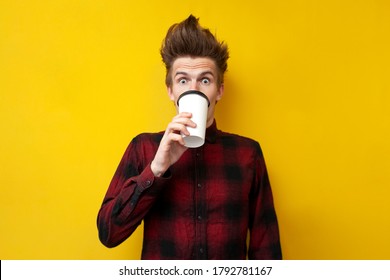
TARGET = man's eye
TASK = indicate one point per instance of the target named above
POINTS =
(182, 81)
(205, 81)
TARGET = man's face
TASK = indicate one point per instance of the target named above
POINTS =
(200, 74)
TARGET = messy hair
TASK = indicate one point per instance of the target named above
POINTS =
(188, 38)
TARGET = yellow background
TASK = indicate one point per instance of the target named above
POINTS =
(308, 79)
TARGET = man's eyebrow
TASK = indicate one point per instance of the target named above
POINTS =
(201, 74)
(180, 73)
(207, 73)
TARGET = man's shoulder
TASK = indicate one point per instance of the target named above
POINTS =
(238, 139)
(154, 137)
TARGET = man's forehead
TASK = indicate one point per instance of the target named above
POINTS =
(198, 64)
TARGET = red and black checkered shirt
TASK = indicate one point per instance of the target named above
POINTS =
(202, 208)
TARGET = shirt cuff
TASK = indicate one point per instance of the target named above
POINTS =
(146, 181)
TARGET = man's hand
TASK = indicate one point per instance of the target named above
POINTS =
(172, 144)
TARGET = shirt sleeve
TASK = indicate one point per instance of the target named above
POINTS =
(264, 240)
(130, 195)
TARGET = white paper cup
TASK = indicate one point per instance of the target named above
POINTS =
(197, 103)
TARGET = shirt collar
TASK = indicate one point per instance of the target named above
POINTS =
(211, 133)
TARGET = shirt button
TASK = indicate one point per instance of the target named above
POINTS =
(148, 183)
(199, 217)
(201, 250)
(199, 185)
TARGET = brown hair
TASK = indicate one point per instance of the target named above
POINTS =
(188, 38)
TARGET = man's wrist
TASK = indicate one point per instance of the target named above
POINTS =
(155, 170)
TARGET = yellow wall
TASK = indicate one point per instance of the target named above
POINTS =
(308, 79)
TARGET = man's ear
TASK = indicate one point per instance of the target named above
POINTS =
(220, 92)
(170, 93)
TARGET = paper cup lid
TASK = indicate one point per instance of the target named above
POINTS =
(194, 92)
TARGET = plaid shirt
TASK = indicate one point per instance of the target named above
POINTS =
(201, 208)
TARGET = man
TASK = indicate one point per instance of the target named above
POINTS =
(195, 203)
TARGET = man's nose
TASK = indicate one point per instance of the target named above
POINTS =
(194, 85)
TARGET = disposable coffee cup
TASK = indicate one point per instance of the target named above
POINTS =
(197, 103)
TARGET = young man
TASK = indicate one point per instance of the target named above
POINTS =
(196, 203)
